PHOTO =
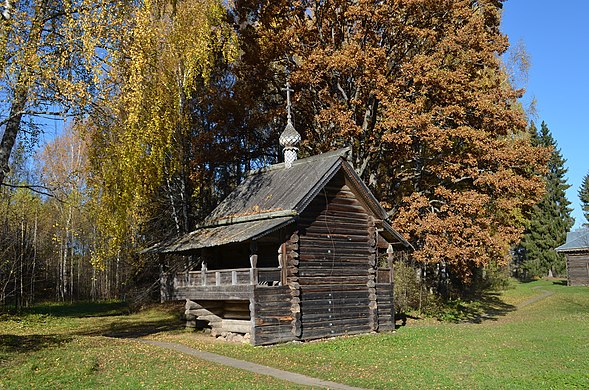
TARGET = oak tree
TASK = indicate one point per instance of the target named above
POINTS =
(417, 88)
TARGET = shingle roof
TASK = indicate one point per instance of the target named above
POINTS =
(270, 198)
(277, 189)
(221, 235)
(576, 241)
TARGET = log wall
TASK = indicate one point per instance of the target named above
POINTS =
(272, 317)
(336, 265)
(386, 306)
(220, 316)
(578, 268)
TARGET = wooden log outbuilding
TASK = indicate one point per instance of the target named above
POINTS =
(576, 251)
(291, 254)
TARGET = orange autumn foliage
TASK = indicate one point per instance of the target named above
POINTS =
(418, 89)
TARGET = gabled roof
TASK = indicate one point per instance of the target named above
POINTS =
(276, 188)
(271, 198)
(222, 234)
(577, 240)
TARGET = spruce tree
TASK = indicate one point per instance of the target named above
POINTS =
(584, 196)
(550, 219)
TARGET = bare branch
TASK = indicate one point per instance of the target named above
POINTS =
(41, 190)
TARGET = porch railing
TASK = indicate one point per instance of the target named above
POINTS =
(229, 277)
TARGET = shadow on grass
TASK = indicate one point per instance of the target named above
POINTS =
(489, 307)
(134, 329)
(562, 282)
(10, 343)
(81, 309)
(164, 319)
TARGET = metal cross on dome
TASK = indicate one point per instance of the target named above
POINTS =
(288, 90)
(289, 137)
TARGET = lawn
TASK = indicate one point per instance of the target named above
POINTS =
(88, 346)
(544, 344)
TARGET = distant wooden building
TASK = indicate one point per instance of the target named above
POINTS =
(576, 251)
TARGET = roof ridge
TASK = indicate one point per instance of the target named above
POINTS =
(342, 152)
(248, 218)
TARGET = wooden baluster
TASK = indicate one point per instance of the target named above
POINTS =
(203, 273)
(217, 278)
(254, 263)
(390, 261)
(233, 277)
(254, 270)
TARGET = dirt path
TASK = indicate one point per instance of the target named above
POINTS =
(252, 367)
(545, 294)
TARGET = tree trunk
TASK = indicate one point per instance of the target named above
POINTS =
(12, 128)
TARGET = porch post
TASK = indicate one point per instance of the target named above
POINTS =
(203, 273)
(254, 263)
(390, 261)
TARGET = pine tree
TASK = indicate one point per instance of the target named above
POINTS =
(584, 196)
(551, 218)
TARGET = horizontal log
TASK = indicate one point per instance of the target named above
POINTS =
(274, 312)
(211, 318)
(283, 301)
(332, 288)
(339, 280)
(315, 333)
(340, 192)
(236, 326)
(272, 309)
(190, 305)
(271, 294)
(273, 334)
(342, 204)
(343, 224)
(329, 317)
(237, 315)
(334, 245)
(329, 236)
(321, 216)
(325, 272)
(209, 294)
(326, 253)
(341, 262)
(322, 323)
(324, 306)
(318, 254)
(338, 303)
(335, 295)
(278, 320)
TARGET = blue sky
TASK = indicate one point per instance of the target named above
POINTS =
(556, 36)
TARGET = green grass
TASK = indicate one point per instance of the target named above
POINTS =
(53, 347)
(544, 344)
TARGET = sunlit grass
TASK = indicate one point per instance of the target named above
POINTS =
(544, 344)
(51, 347)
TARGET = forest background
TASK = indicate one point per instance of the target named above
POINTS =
(163, 121)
